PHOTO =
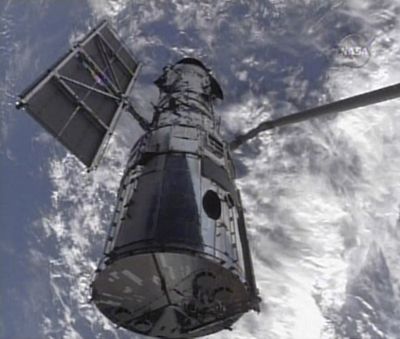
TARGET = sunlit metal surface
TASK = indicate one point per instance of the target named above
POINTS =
(177, 261)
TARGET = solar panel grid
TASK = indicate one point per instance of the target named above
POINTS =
(79, 100)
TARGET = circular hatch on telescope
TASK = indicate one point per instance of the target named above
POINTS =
(212, 204)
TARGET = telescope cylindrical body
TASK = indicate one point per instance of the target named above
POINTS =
(177, 261)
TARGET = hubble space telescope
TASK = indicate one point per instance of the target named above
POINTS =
(177, 261)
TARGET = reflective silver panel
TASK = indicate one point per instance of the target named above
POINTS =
(196, 295)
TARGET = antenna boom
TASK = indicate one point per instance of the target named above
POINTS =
(357, 101)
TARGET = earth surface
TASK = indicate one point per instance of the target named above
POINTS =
(321, 197)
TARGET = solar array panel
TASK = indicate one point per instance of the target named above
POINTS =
(80, 99)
